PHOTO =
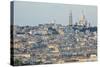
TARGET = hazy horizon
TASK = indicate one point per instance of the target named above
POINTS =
(34, 13)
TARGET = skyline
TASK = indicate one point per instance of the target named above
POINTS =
(33, 13)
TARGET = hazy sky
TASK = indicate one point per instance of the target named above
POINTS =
(32, 13)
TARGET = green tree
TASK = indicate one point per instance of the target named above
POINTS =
(17, 62)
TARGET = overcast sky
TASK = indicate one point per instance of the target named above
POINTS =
(32, 13)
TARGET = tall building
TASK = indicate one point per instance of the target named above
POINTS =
(70, 18)
(82, 19)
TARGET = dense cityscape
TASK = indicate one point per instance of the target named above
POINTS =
(53, 43)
